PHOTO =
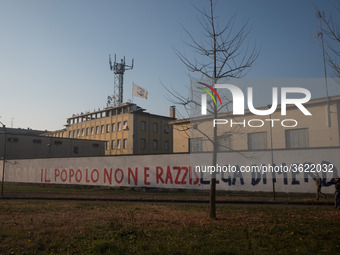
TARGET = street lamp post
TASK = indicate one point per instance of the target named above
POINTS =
(3, 161)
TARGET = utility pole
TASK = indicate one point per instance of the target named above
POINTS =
(3, 160)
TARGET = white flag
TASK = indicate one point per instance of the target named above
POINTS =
(139, 92)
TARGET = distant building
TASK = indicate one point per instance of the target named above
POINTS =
(126, 129)
(29, 144)
(253, 132)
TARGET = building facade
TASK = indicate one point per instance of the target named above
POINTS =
(126, 129)
(253, 132)
(29, 144)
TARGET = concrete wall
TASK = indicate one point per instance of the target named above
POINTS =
(178, 171)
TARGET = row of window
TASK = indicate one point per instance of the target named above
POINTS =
(60, 134)
(39, 141)
(112, 128)
(116, 144)
(154, 144)
(98, 129)
(224, 144)
(155, 127)
(295, 138)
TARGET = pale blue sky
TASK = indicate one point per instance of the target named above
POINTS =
(54, 54)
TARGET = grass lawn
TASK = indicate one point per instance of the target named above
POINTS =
(21, 189)
(57, 227)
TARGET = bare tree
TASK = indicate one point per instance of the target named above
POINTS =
(222, 53)
(330, 35)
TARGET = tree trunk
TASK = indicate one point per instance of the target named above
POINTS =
(213, 175)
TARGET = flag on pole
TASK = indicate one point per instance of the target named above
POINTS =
(139, 92)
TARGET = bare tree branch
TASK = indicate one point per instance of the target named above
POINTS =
(331, 34)
(219, 53)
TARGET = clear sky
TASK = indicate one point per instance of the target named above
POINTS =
(54, 54)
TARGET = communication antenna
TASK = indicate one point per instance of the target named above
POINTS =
(118, 70)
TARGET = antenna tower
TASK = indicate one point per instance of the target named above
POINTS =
(118, 70)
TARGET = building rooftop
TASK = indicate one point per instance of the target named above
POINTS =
(110, 111)
(21, 131)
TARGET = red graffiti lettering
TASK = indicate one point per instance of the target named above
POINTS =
(46, 178)
(178, 174)
(107, 176)
(121, 175)
(63, 176)
(185, 170)
(146, 176)
(168, 175)
(71, 175)
(78, 175)
(134, 176)
(159, 173)
(56, 174)
(190, 175)
(87, 176)
(94, 179)
(197, 178)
